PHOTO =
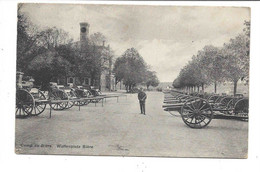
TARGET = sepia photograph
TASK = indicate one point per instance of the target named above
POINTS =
(132, 80)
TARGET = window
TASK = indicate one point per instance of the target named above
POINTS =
(86, 81)
(70, 80)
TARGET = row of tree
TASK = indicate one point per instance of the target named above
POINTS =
(214, 65)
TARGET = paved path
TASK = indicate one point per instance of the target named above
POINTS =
(120, 129)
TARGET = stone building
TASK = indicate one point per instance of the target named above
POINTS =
(104, 82)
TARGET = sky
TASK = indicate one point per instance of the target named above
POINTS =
(165, 36)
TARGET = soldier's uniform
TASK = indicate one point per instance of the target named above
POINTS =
(142, 97)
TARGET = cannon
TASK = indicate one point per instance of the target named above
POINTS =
(29, 100)
(32, 101)
(197, 110)
(82, 92)
(56, 94)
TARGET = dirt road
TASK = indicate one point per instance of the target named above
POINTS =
(118, 128)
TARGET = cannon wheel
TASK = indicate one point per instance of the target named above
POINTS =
(59, 95)
(88, 94)
(24, 104)
(197, 113)
(39, 107)
(241, 107)
(70, 104)
(225, 100)
(71, 95)
(95, 100)
(79, 103)
(230, 106)
(80, 94)
(86, 102)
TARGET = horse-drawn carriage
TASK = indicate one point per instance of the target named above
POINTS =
(197, 110)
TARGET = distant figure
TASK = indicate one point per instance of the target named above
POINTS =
(142, 97)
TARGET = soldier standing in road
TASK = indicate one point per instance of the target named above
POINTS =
(142, 97)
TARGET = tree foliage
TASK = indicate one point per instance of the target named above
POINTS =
(27, 37)
(151, 79)
(97, 39)
(237, 60)
(130, 68)
(214, 65)
(47, 66)
(53, 37)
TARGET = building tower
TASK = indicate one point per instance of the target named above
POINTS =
(84, 31)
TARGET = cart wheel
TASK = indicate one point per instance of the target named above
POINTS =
(24, 104)
(230, 107)
(70, 104)
(79, 103)
(86, 102)
(224, 101)
(71, 95)
(197, 113)
(39, 107)
(94, 101)
(59, 95)
(241, 107)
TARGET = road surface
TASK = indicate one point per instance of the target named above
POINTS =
(118, 128)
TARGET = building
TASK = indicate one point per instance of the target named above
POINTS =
(106, 80)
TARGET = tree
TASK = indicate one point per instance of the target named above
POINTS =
(27, 36)
(188, 77)
(48, 66)
(245, 55)
(53, 37)
(151, 79)
(198, 72)
(212, 65)
(237, 60)
(177, 82)
(97, 39)
(130, 68)
(68, 52)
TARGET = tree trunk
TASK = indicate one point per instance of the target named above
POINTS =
(129, 87)
(215, 87)
(126, 88)
(198, 89)
(235, 87)
(202, 86)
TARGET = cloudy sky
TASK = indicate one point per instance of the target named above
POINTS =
(165, 36)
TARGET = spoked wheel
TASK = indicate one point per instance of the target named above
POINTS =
(79, 103)
(196, 113)
(70, 104)
(24, 104)
(224, 101)
(86, 102)
(94, 101)
(241, 107)
(230, 106)
(59, 95)
(39, 106)
(71, 95)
